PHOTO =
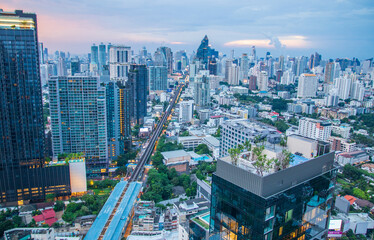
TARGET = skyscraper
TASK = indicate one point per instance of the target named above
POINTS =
(102, 57)
(307, 86)
(186, 111)
(78, 119)
(138, 77)
(119, 107)
(205, 52)
(168, 55)
(329, 73)
(244, 66)
(262, 81)
(158, 78)
(23, 176)
(94, 64)
(119, 62)
(201, 89)
(233, 75)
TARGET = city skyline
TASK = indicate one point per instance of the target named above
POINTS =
(282, 28)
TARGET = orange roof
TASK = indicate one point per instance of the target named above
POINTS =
(309, 75)
(350, 198)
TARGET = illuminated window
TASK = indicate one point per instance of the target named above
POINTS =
(288, 215)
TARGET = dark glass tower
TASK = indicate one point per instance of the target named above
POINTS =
(138, 77)
(294, 203)
(22, 176)
(205, 53)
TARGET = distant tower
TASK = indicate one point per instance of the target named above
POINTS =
(119, 62)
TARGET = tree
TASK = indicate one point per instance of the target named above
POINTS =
(121, 170)
(284, 160)
(234, 155)
(202, 149)
(184, 134)
(262, 164)
(68, 217)
(281, 126)
(59, 206)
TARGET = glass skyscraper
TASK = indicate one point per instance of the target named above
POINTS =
(22, 175)
(138, 77)
(294, 203)
(158, 78)
(78, 119)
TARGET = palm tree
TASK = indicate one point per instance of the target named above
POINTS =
(234, 154)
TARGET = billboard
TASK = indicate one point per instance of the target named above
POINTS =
(335, 227)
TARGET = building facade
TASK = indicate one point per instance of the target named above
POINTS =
(158, 78)
(78, 120)
(315, 129)
(23, 176)
(138, 77)
(119, 62)
(294, 203)
(307, 86)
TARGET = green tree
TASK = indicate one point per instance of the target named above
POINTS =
(281, 126)
(59, 206)
(202, 149)
(262, 164)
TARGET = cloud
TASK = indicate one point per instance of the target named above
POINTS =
(275, 42)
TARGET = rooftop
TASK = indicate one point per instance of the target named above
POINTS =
(174, 154)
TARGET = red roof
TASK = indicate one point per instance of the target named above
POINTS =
(50, 221)
(217, 116)
(48, 213)
(350, 198)
(38, 218)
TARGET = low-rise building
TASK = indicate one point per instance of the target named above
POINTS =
(213, 145)
(341, 144)
(190, 141)
(179, 160)
(352, 157)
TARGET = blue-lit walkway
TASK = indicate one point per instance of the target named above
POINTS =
(115, 212)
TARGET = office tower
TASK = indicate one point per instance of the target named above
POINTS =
(61, 67)
(301, 65)
(262, 81)
(281, 63)
(186, 111)
(278, 75)
(75, 66)
(168, 56)
(317, 59)
(212, 67)
(252, 82)
(343, 85)
(201, 90)
(329, 73)
(102, 57)
(78, 120)
(233, 75)
(158, 78)
(94, 64)
(205, 52)
(228, 64)
(45, 55)
(119, 109)
(292, 203)
(23, 175)
(41, 53)
(119, 62)
(314, 129)
(194, 69)
(252, 56)
(138, 77)
(332, 100)
(307, 86)
(159, 58)
(287, 78)
(244, 66)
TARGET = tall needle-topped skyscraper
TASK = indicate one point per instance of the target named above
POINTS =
(22, 172)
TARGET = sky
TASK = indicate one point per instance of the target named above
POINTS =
(333, 28)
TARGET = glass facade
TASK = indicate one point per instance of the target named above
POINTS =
(300, 212)
(22, 173)
(138, 77)
(78, 120)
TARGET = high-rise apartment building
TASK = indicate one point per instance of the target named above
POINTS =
(158, 78)
(119, 109)
(138, 77)
(233, 75)
(78, 119)
(307, 86)
(314, 129)
(168, 55)
(94, 64)
(102, 57)
(201, 89)
(244, 66)
(343, 86)
(293, 203)
(186, 111)
(205, 53)
(119, 62)
(329, 72)
(23, 175)
(263, 81)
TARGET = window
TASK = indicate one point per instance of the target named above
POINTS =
(288, 215)
(269, 212)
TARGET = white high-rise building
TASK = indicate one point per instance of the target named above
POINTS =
(314, 129)
(307, 86)
(201, 89)
(185, 111)
(343, 85)
(357, 91)
(288, 78)
(119, 62)
(233, 75)
(262, 81)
